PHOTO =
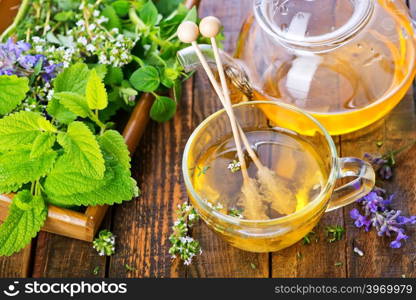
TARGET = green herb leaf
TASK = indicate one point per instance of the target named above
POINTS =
(148, 13)
(121, 7)
(113, 19)
(65, 179)
(114, 76)
(74, 102)
(129, 268)
(114, 143)
(13, 90)
(192, 15)
(96, 94)
(72, 79)
(7, 189)
(60, 112)
(17, 167)
(22, 128)
(166, 7)
(64, 16)
(42, 144)
(145, 79)
(116, 186)
(163, 109)
(26, 216)
(101, 70)
(82, 150)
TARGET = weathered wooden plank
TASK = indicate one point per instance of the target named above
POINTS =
(143, 226)
(218, 258)
(17, 265)
(398, 129)
(57, 256)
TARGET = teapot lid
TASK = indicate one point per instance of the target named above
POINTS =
(310, 24)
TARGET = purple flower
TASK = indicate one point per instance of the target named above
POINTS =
(15, 59)
(383, 167)
(378, 214)
(50, 71)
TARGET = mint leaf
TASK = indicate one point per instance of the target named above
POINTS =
(166, 7)
(82, 150)
(42, 144)
(121, 7)
(163, 109)
(13, 90)
(74, 102)
(101, 70)
(192, 15)
(17, 167)
(148, 13)
(7, 189)
(116, 186)
(22, 128)
(27, 215)
(114, 76)
(60, 112)
(96, 94)
(114, 143)
(113, 19)
(145, 79)
(72, 79)
(65, 179)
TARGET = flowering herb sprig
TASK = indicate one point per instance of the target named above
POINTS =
(105, 243)
(378, 214)
(182, 245)
(18, 58)
(377, 211)
(384, 164)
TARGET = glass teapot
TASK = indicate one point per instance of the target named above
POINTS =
(347, 62)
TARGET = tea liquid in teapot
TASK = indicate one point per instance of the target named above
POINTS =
(348, 62)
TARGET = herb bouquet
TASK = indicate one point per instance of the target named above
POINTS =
(66, 68)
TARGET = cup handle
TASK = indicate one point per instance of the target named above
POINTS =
(355, 189)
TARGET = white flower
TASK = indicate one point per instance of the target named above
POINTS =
(39, 49)
(90, 48)
(80, 23)
(92, 26)
(102, 20)
(83, 40)
(96, 13)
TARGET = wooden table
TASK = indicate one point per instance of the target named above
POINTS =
(142, 226)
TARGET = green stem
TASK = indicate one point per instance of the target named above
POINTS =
(19, 17)
(96, 120)
(135, 19)
(395, 152)
(138, 60)
(48, 16)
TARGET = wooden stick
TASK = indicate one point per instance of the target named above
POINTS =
(210, 27)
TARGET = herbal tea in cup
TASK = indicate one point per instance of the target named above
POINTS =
(303, 158)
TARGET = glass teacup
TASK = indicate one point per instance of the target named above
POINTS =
(277, 232)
